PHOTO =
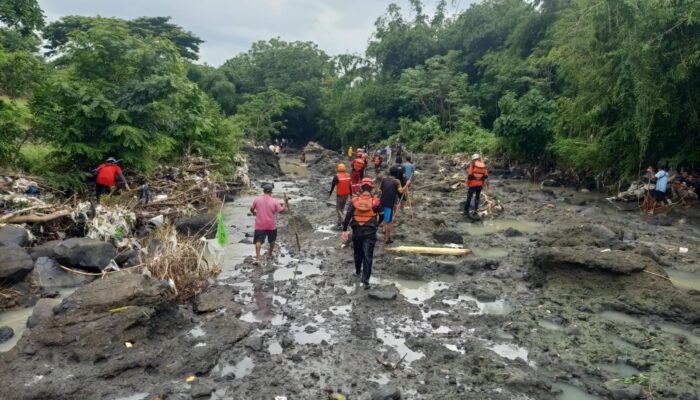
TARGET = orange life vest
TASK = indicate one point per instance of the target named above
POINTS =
(364, 205)
(478, 171)
(343, 188)
(358, 164)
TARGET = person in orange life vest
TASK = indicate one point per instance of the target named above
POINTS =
(362, 217)
(477, 174)
(358, 170)
(377, 162)
(343, 190)
(106, 177)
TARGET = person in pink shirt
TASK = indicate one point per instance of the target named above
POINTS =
(265, 208)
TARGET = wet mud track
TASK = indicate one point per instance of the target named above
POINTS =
(510, 321)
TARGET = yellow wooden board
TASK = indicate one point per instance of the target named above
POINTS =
(441, 251)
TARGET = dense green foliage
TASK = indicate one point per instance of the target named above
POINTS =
(602, 87)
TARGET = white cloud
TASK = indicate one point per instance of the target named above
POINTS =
(229, 27)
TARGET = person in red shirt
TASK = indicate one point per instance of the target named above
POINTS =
(477, 174)
(106, 177)
(343, 189)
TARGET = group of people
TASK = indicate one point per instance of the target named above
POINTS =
(668, 186)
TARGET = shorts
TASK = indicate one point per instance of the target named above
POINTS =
(259, 236)
(388, 214)
(659, 196)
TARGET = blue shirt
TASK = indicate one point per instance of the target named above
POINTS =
(408, 170)
(661, 180)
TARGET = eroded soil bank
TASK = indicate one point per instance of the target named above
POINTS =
(563, 298)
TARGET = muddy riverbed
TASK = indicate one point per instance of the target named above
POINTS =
(564, 297)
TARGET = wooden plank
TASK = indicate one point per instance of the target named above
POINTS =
(443, 251)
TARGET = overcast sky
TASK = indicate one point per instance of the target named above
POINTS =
(229, 27)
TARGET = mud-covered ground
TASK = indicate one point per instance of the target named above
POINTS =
(564, 298)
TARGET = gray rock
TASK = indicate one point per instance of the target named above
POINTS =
(448, 237)
(47, 275)
(603, 232)
(216, 298)
(619, 391)
(13, 235)
(311, 329)
(85, 253)
(382, 294)
(129, 258)
(586, 257)
(15, 264)
(512, 232)
(254, 343)
(200, 225)
(44, 250)
(43, 309)
(201, 389)
(387, 392)
(6, 333)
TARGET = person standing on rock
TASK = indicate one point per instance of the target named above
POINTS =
(265, 208)
(391, 189)
(106, 177)
(343, 188)
(362, 217)
(477, 174)
(358, 170)
(661, 179)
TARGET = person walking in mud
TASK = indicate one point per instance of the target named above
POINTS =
(362, 217)
(477, 174)
(391, 190)
(377, 162)
(265, 208)
(343, 189)
(358, 170)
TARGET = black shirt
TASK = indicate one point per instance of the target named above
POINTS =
(390, 192)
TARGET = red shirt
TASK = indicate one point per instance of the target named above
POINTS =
(106, 174)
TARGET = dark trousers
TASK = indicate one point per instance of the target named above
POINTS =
(363, 241)
(473, 191)
(101, 189)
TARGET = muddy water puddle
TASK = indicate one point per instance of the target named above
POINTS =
(509, 351)
(550, 325)
(667, 327)
(17, 320)
(684, 280)
(274, 347)
(301, 270)
(301, 336)
(241, 369)
(491, 253)
(497, 225)
(571, 392)
(498, 307)
(619, 370)
(135, 396)
(416, 291)
(398, 344)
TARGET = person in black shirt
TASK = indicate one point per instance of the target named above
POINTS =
(391, 191)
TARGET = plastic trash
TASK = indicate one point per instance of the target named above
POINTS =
(128, 345)
(605, 251)
(190, 378)
(682, 250)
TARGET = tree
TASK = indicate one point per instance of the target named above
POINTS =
(58, 33)
(262, 111)
(116, 93)
(525, 125)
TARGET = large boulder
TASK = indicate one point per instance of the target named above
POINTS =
(6, 333)
(587, 257)
(13, 235)
(45, 250)
(85, 253)
(200, 225)
(15, 264)
(123, 328)
(43, 310)
(48, 275)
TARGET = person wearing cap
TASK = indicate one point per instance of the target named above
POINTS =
(362, 218)
(106, 177)
(343, 189)
(477, 174)
(265, 208)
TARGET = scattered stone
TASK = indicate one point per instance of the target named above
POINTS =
(387, 392)
(13, 235)
(6, 333)
(200, 225)
(445, 237)
(297, 358)
(44, 250)
(129, 258)
(15, 264)
(201, 389)
(254, 343)
(310, 329)
(85, 253)
(512, 232)
(47, 275)
(389, 293)
(43, 309)
(287, 342)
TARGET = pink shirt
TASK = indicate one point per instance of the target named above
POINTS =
(265, 209)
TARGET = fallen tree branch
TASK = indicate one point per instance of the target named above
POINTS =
(33, 218)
